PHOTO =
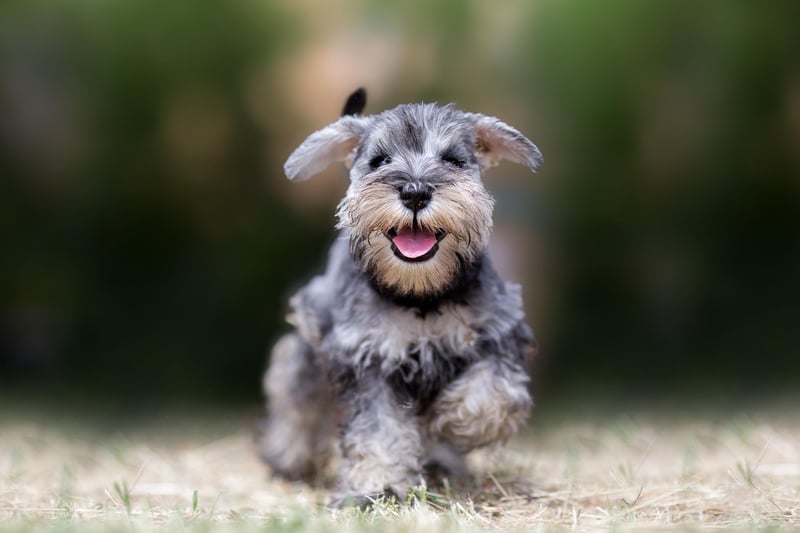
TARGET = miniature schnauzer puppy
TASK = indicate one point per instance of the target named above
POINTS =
(409, 342)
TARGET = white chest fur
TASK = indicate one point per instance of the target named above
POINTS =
(393, 335)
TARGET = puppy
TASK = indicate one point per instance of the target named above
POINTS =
(409, 342)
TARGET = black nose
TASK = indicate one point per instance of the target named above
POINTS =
(415, 196)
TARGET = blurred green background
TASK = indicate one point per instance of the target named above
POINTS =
(149, 240)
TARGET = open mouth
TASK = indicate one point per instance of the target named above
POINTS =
(414, 244)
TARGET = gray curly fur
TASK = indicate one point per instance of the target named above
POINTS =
(416, 362)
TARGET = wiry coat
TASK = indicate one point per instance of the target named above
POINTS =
(419, 360)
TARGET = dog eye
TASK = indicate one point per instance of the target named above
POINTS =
(454, 160)
(379, 161)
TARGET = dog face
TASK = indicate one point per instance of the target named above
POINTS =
(416, 210)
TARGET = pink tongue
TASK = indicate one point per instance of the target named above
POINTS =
(413, 244)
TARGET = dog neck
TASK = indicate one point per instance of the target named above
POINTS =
(457, 292)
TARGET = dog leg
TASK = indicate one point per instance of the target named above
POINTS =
(444, 465)
(381, 445)
(298, 426)
(486, 404)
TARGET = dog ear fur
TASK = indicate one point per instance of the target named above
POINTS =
(497, 141)
(331, 144)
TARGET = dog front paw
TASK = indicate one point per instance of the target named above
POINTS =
(484, 406)
(363, 501)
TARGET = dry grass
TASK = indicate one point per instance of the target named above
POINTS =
(621, 474)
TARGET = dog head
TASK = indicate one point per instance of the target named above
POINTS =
(417, 212)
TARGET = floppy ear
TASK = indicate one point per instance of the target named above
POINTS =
(330, 144)
(497, 141)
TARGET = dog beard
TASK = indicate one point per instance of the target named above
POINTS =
(418, 256)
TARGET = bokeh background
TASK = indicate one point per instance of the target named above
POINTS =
(149, 240)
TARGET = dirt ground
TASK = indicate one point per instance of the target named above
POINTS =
(619, 472)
